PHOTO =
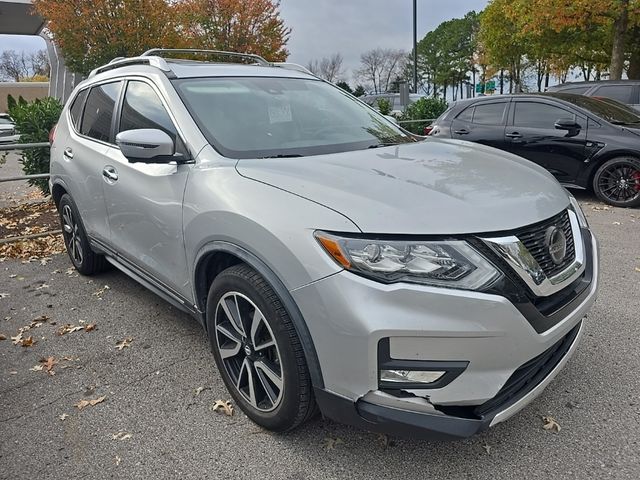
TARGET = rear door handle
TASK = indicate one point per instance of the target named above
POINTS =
(513, 135)
(110, 174)
(68, 153)
(462, 131)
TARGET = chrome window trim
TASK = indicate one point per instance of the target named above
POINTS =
(513, 251)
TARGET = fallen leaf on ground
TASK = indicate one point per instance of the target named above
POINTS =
(18, 338)
(224, 406)
(44, 261)
(27, 342)
(44, 285)
(4, 295)
(101, 291)
(48, 364)
(63, 416)
(637, 269)
(550, 424)
(121, 435)
(117, 460)
(37, 368)
(617, 223)
(2, 337)
(89, 327)
(330, 443)
(36, 322)
(124, 343)
(199, 390)
(85, 403)
(68, 328)
(487, 448)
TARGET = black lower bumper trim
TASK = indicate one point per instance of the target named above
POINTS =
(401, 423)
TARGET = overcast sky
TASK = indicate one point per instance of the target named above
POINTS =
(351, 27)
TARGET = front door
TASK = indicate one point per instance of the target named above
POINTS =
(531, 133)
(481, 123)
(144, 201)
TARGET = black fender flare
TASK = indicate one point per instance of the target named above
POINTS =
(287, 300)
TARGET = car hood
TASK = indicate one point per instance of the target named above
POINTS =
(430, 187)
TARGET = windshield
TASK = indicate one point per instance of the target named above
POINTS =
(257, 117)
(607, 109)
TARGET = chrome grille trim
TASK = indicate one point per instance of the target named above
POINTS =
(516, 254)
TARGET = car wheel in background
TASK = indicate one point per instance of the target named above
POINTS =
(617, 182)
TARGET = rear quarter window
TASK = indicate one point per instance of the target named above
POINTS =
(75, 111)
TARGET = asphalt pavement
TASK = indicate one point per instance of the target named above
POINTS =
(156, 418)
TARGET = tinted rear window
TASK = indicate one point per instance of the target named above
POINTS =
(76, 108)
(98, 112)
(489, 114)
(621, 93)
(538, 115)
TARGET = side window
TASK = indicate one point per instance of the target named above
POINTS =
(622, 93)
(489, 114)
(575, 90)
(142, 108)
(98, 112)
(76, 108)
(538, 115)
(466, 115)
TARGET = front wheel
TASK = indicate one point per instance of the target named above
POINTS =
(617, 182)
(257, 350)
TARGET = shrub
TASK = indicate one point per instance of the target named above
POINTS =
(384, 106)
(34, 120)
(424, 108)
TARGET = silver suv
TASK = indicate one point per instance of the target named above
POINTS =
(423, 287)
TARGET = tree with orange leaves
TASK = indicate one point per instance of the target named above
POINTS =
(247, 26)
(91, 33)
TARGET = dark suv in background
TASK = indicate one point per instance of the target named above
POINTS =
(624, 91)
(584, 142)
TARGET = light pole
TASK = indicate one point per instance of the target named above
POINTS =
(415, 46)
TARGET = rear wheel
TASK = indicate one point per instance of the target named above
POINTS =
(257, 350)
(617, 182)
(85, 260)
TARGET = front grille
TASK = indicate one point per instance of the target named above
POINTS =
(533, 238)
(525, 378)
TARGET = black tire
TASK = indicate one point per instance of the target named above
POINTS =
(85, 260)
(255, 298)
(617, 182)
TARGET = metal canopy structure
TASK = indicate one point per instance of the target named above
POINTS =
(17, 17)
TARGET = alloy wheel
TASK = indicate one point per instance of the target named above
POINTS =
(249, 351)
(620, 182)
(70, 229)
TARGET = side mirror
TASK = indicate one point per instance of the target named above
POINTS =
(147, 145)
(567, 124)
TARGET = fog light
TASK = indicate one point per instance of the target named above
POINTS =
(410, 376)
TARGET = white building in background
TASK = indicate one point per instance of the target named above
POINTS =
(18, 18)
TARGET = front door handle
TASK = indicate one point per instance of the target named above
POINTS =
(513, 135)
(110, 173)
(462, 131)
(68, 153)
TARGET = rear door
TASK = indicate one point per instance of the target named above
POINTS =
(85, 151)
(531, 133)
(482, 123)
(144, 200)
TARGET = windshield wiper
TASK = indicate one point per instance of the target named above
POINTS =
(284, 155)
(380, 145)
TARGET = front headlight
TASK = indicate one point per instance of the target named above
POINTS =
(446, 263)
(582, 219)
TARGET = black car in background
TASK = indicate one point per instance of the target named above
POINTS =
(623, 91)
(584, 142)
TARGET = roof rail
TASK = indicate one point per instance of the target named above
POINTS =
(293, 66)
(157, 62)
(249, 56)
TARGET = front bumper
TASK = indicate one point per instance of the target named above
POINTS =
(348, 316)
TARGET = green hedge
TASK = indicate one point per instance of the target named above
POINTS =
(34, 120)
(424, 108)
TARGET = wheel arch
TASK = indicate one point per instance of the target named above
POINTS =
(57, 191)
(216, 256)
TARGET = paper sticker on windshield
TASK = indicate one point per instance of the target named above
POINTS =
(280, 113)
